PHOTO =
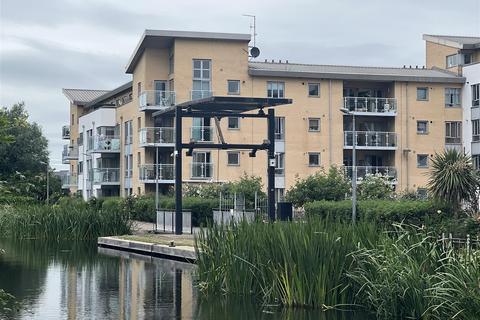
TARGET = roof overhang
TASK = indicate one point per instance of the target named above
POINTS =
(124, 87)
(352, 76)
(164, 39)
(444, 40)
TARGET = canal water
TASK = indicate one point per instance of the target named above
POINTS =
(77, 280)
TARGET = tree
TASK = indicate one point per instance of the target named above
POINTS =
(375, 186)
(453, 178)
(331, 185)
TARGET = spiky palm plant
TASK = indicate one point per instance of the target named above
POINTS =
(453, 178)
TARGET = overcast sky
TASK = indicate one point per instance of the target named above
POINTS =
(47, 45)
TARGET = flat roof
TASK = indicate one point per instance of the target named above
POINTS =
(164, 39)
(316, 71)
(459, 42)
(225, 105)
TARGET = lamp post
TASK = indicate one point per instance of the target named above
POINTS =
(354, 165)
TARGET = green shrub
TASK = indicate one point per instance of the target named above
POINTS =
(17, 200)
(143, 209)
(202, 209)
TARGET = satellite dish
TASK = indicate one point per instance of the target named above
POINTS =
(254, 52)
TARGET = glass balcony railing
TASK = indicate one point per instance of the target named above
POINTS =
(70, 152)
(362, 171)
(69, 181)
(105, 175)
(371, 105)
(103, 143)
(200, 94)
(156, 100)
(157, 136)
(371, 140)
(201, 134)
(66, 132)
(202, 170)
(148, 172)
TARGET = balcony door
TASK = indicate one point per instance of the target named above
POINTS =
(201, 165)
(160, 91)
(201, 129)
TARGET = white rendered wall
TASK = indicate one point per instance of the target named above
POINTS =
(472, 75)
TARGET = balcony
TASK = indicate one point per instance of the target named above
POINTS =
(148, 173)
(69, 181)
(66, 132)
(362, 171)
(157, 137)
(105, 176)
(201, 134)
(201, 170)
(200, 94)
(156, 100)
(69, 153)
(371, 140)
(102, 143)
(367, 106)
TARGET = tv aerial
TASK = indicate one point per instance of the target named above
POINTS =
(254, 51)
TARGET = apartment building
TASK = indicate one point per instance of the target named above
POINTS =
(120, 145)
(461, 55)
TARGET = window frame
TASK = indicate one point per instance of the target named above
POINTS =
(427, 93)
(238, 158)
(280, 128)
(318, 158)
(426, 163)
(475, 95)
(280, 160)
(233, 128)
(228, 87)
(309, 126)
(476, 161)
(318, 89)
(454, 126)
(271, 90)
(450, 96)
(455, 62)
(476, 130)
(426, 127)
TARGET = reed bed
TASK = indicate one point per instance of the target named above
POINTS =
(65, 222)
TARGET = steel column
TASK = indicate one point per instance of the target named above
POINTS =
(178, 170)
(271, 164)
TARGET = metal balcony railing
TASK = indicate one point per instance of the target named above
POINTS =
(105, 175)
(201, 134)
(156, 100)
(202, 170)
(371, 105)
(102, 143)
(200, 94)
(66, 132)
(362, 171)
(148, 172)
(69, 181)
(70, 152)
(371, 139)
(157, 136)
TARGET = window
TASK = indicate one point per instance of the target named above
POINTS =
(201, 79)
(476, 161)
(139, 123)
(233, 123)
(73, 119)
(467, 58)
(314, 124)
(139, 159)
(476, 94)
(201, 166)
(314, 89)
(139, 89)
(422, 94)
(280, 164)
(233, 86)
(279, 194)
(453, 132)
(80, 139)
(314, 159)
(476, 130)
(128, 132)
(275, 89)
(452, 97)
(279, 128)
(171, 62)
(233, 158)
(452, 60)
(422, 127)
(422, 160)
(80, 167)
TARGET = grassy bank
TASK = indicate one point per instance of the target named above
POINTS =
(66, 221)
(330, 265)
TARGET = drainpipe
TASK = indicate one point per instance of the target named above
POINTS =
(406, 136)
(330, 122)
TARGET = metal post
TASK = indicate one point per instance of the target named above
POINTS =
(178, 170)
(354, 173)
(271, 164)
(156, 180)
(48, 184)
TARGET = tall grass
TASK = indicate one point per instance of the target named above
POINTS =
(64, 222)
(292, 264)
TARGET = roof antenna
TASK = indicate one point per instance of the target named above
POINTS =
(254, 51)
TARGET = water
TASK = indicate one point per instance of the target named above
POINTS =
(77, 280)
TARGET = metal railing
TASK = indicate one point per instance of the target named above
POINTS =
(102, 143)
(362, 171)
(201, 170)
(157, 135)
(371, 139)
(148, 172)
(70, 152)
(105, 175)
(201, 134)
(69, 181)
(368, 104)
(156, 99)
(66, 132)
(200, 94)
(166, 221)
